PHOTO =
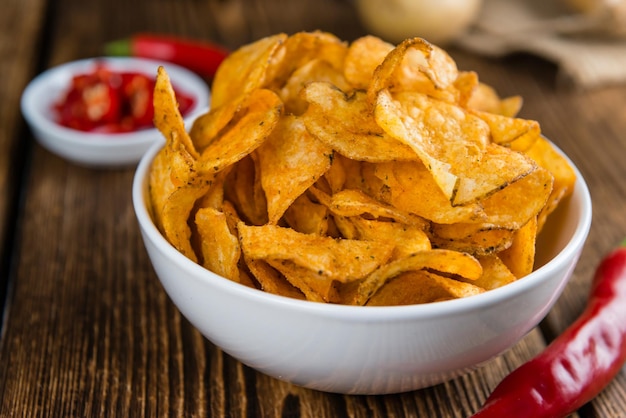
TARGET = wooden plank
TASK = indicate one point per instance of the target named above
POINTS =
(22, 25)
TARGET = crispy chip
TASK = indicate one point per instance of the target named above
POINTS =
(443, 261)
(315, 286)
(245, 70)
(410, 288)
(342, 260)
(344, 123)
(364, 55)
(495, 273)
(564, 176)
(219, 247)
(520, 256)
(413, 189)
(300, 49)
(414, 65)
(407, 239)
(317, 70)
(291, 161)
(307, 216)
(254, 122)
(272, 281)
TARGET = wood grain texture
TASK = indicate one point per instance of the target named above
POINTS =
(89, 332)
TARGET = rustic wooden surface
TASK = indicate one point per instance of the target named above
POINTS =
(88, 331)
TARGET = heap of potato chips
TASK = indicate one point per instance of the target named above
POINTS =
(362, 173)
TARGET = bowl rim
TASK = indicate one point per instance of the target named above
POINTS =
(42, 84)
(570, 251)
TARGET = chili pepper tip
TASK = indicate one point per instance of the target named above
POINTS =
(119, 48)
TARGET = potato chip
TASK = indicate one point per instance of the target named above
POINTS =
(485, 98)
(412, 188)
(344, 123)
(453, 144)
(245, 70)
(290, 161)
(476, 239)
(564, 176)
(167, 118)
(513, 206)
(244, 190)
(519, 257)
(406, 239)
(410, 288)
(300, 49)
(219, 247)
(253, 123)
(175, 213)
(314, 285)
(495, 273)
(174, 184)
(363, 56)
(342, 260)
(414, 65)
(307, 216)
(443, 261)
(517, 133)
(318, 70)
(272, 281)
(350, 202)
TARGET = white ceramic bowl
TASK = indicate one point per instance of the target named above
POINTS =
(100, 149)
(365, 350)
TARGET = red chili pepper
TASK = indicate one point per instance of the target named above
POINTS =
(579, 363)
(201, 57)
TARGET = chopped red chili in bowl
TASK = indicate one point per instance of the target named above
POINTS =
(111, 101)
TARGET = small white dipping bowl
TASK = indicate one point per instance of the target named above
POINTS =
(101, 149)
(365, 350)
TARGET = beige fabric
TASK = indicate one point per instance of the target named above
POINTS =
(547, 29)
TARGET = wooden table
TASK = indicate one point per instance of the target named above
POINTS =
(87, 329)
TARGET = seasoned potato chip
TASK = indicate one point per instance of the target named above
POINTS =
(443, 261)
(360, 173)
(564, 176)
(219, 247)
(344, 123)
(245, 70)
(174, 215)
(414, 65)
(314, 285)
(520, 256)
(410, 288)
(518, 133)
(272, 281)
(413, 189)
(244, 190)
(407, 239)
(495, 273)
(485, 98)
(259, 114)
(307, 216)
(291, 161)
(342, 260)
(301, 48)
(318, 70)
(364, 55)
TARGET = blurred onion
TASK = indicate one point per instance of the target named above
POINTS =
(437, 21)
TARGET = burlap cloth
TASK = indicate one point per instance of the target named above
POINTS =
(545, 28)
